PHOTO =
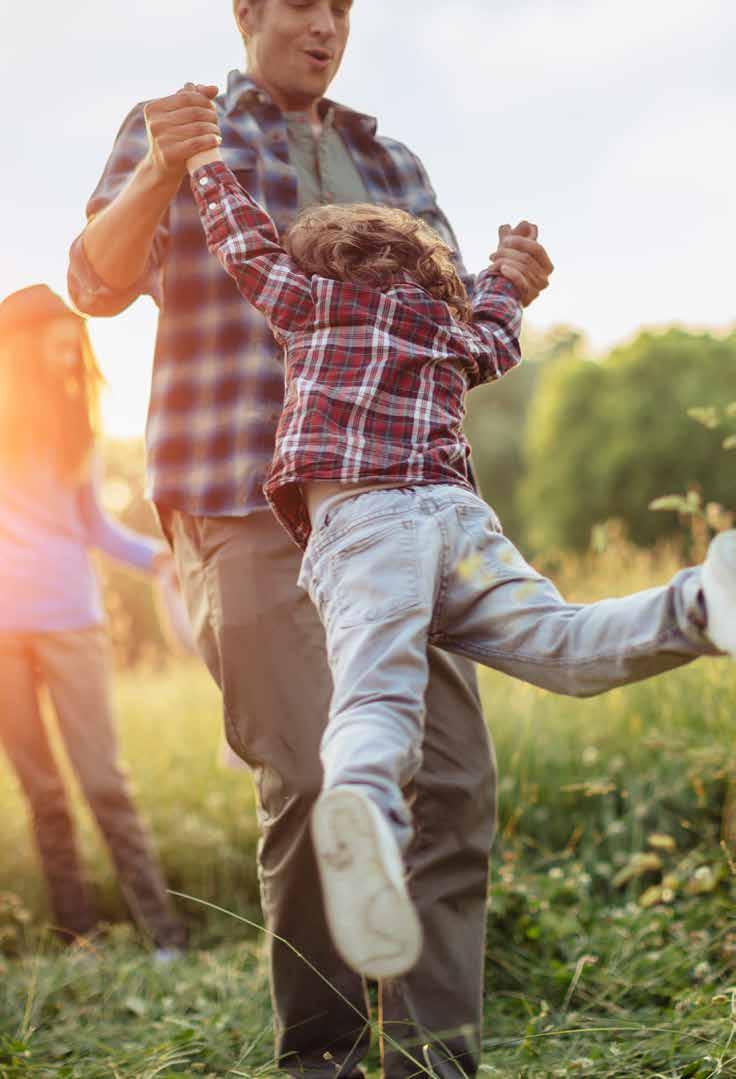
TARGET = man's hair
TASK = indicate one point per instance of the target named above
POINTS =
(375, 246)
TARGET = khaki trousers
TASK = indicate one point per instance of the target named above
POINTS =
(264, 645)
(74, 666)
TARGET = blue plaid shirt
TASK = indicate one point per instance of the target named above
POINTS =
(218, 378)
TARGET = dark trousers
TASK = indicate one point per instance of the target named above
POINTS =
(74, 667)
(264, 645)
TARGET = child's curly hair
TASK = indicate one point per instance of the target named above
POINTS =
(375, 246)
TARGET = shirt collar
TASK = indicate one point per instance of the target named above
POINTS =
(243, 93)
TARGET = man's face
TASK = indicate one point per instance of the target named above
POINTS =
(295, 46)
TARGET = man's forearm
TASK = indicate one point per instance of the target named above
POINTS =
(118, 240)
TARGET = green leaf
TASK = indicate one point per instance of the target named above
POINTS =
(708, 415)
(678, 503)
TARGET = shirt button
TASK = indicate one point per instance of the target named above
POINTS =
(212, 206)
(203, 181)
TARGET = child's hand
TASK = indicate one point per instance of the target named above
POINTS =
(521, 259)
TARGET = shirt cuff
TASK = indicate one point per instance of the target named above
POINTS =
(92, 296)
(210, 183)
(490, 280)
(495, 295)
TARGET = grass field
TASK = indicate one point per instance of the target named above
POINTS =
(612, 943)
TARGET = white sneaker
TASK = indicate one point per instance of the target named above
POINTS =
(719, 589)
(372, 919)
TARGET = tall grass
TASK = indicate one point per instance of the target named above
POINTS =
(611, 939)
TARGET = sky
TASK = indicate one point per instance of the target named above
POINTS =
(610, 125)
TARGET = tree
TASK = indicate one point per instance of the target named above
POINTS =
(604, 439)
(132, 621)
(497, 417)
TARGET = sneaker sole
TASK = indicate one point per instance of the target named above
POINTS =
(719, 583)
(372, 919)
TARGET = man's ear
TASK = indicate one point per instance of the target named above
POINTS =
(243, 11)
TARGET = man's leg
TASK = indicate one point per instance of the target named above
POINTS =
(264, 645)
(75, 667)
(439, 1003)
(24, 738)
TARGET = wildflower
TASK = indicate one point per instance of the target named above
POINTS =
(703, 880)
(660, 841)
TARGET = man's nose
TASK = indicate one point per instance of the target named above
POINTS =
(323, 20)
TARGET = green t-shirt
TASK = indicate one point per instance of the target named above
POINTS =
(326, 173)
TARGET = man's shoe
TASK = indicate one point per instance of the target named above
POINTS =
(719, 590)
(372, 919)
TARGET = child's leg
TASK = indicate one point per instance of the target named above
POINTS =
(499, 611)
(372, 581)
(375, 595)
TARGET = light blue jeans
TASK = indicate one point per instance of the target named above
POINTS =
(391, 571)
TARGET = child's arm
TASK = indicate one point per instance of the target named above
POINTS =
(493, 335)
(245, 240)
(519, 271)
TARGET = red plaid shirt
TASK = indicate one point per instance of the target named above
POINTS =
(375, 380)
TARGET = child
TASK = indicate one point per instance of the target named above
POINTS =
(370, 477)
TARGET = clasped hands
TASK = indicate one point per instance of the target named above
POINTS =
(183, 131)
(522, 260)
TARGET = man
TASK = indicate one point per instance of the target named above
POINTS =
(216, 394)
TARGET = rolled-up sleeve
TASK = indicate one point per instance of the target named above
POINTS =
(90, 294)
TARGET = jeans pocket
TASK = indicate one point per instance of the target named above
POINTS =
(476, 517)
(374, 574)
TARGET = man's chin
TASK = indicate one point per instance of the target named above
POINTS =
(309, 91)
(319, 83)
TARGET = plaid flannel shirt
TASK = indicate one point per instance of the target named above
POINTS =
(375, 379)
(218, 380)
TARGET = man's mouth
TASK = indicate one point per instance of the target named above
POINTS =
(320, 56)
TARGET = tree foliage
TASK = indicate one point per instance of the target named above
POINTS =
(132, 621)
(497, 417)
(604, 439)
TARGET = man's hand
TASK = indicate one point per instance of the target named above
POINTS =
(521, 259)
(179, 127)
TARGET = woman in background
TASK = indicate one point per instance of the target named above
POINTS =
(51, 617)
